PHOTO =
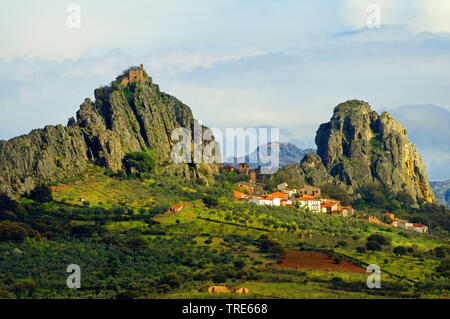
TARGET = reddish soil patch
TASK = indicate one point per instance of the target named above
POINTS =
(314, 260)
(59, 188)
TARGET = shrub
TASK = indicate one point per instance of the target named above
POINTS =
(381, 240)
(41, 194)
(400, 250)
(444, 268)
(17, 231)
(405, 198)
(219, 278)
(172, 280)
(341, 243)
(373, 245)
(239, 264)
(24, 288)
(140, 163)
(360, 250)
(137, 243)
(268, 246)
(210, 201)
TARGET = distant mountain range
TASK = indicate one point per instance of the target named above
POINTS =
(289, 154)
(442, 192)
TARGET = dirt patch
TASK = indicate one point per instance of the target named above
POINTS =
(59, 188)
(313, 260)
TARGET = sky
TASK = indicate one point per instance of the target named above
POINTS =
(246, 63)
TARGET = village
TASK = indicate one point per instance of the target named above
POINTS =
(306, 198)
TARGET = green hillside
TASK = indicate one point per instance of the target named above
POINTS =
(119, 232)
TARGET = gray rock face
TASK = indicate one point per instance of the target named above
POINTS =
(121, 120)
(358, 146)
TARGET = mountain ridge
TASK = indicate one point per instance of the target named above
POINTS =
(122, 119)
(289, 154)
(442, 192)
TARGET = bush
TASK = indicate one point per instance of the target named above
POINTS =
(41, 194)
(24, 288)
(137, 243)
(360, 250)
(341, 243)
(405, 198)
(12, 231)
(172, 280)
(219, 278)
(373, 194)
(239, 264)
(210, 201)
(444, 268)
(140, 163)
(268, 246)
(381, 240)
(373, 245)
(400, 250)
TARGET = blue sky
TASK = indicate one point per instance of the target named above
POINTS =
(236, 63)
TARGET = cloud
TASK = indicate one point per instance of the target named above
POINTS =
(142, 27)
(428, 128)
(236, 63)
(418, 15)
(185, 61)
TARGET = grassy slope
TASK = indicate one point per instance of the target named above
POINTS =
(102, 191)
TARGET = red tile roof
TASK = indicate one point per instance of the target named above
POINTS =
(309, 197)
(278, 195)
(239, 195)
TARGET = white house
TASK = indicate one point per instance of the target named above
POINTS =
(269, 201)
(310, 202)
(405, 224)
(261, 201)
(274, 199)
(329, 205)
(420, 228)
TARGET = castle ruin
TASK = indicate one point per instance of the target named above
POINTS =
(134, 76)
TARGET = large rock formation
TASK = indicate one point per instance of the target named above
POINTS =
(358, 147)
(122, 119)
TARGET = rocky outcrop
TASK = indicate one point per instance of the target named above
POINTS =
(358, 147)
(122, 119)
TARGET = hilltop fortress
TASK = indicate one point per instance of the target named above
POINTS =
(134, 75)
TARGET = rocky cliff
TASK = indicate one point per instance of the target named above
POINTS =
(359, 146)
(122, 119)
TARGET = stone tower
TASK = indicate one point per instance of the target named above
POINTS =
(134, 76)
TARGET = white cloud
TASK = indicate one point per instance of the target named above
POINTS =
(419, 15)
(185, 61)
